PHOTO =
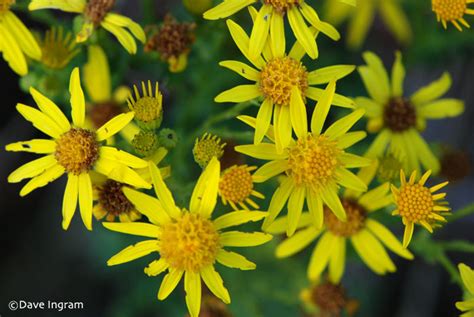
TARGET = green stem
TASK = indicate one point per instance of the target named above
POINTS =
(451, 268)
(457, 246)
(461, 213)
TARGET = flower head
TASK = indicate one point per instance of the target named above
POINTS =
(58, 48)
(236, 187)
(366, 235)
(361, 19)
(418, 204)
(398, 120)
(452, 11)
(188, 241)
(148, 106)
(283, 82)
(17, 42)
(73, 150)
(96, 13)
(207, 147)
(314, 165)
(467, 276)
(173, 42)
(269, 29)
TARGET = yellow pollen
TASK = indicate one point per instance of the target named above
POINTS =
(282, 5)
(5, 5)
(356, 216)
(189, 243)
(279, 76)
(206, 148)
(236, 184)
(77, 150)
(313, 161)
(415, 202)
(449, 10)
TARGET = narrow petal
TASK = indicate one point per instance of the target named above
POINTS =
(242, 69)
(387, 238)
(49, 175)
(467, 276)
(297, 242)
(237, 218)
(114, 125)
(241, 39)
(192, 286)
(299, 120)
(331, 199)
(321, 255)
(162, 192)
(77, 99)
(22, 35)
(349, 180)
(316, 210)
(226, 9)
(252, 122)
(375, 64)
(350, 138)
(85, 199)
(366, 254)
(432, 91)
(337, 260)
(126, 22)
(97, 75)
(277, 35)
(50, 109)
(156, 267)
(148, 206)
(133, 252)
(295, 208)
(331, 73)
(136, 228)
(302, 32)
(278, 201)
(76, 6)
(341, 126)
(215, 283)
(440, 109)
(310, 14)
(360, 24)
(264, 118)
(238, 94)
(426, 156)
(122, 157)
(122, 35)
(12, 53)
(269, 170)
(398, 76)
(32, 169)
(234, 260)
(372, 108)
(169, 283)
(40, 120)
(352, 161)
(70, 199)
(396, 20)
(322, 108)
(260, 31)
(204, 197)
(370, 77)
(262, 151)
(243, 239)
(120, 173)
(409, 227)
(338, 100)
(38, 146)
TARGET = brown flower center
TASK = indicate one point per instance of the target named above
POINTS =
(112, 198)
(5, 5)
(356, 216)
(456, 165)
(96, 10)
(282, 5)
(399, 115)
(330, 298)
(101, 113)
(278, 78)
(77, 150)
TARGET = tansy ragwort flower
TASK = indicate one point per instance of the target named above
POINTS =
(105, 102)
(269, 24)
(418, 204)
(188, 241)
(58, 48)
(206, 147)
(73, 150)
(96, 14)
(467, 276)
(16, 40)
(315, 164)
(236, 187)
(362, 17)
(452, 11)
(367, 235)
(398, 120)
(284, 83)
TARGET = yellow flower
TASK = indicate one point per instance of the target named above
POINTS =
(207, 147)
(269, 24)
(16, 40)
(96, 13)
(188, 241)
(315, 164)
(398, 119)
(58, 48)
(362, 17)
(467, 276)
(236, 187)
(284, 83)
(73, 150)
(105, 102)
(418, 204)
(367, 235)
(452, 11)
(148, 106)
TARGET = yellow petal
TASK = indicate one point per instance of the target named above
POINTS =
(38, 146)
(70, 199)
(226, 8)
(269, 170)
(337, 260)
(326, 74)
(114, 125)
(12, 53)
(260, 31)
(133, 252)
(299, 120)
(49, 175)
(243, 239)
(396, 20)
(387, 238)
(467, 276)
(321, 255)
(50, 109)
(350, 138)
(263, 121)
(302, 33)
(237, 218)
(78, 111)
(378, 92)
(76, 6)
(162, 192)
(398, 76)
(124, 21)
(204, 197)
(297, 242)
(215, 283)
(169, 283)
(277, 35)
(341, 126)
(148, 206)
(40, 120)
(241, 39)
(409, 227)
(122, 35)
(122, 157)
(262, 151)
(432, 91)
(156, 267)
(238, 94)
(85, 199)
(331, 199)
(295, 208)
(135, 228)
(278, 201)
(322, 108)
(97, 75)
(440, 109)
(242, 69)
(192, 286)
(234, 260)
(360, 24)
(32, 169)
(316, 210)
(349, 180)
(310, 14)
(22, 35)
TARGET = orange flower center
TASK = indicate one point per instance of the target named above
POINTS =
(5, 5)
(189, 243)
(415, 202)
(236, 184)
(278, 78)
(449, 10)
(282, 5)
(77, 150)
(356, 216)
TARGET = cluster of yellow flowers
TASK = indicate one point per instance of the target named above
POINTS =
(311, 159)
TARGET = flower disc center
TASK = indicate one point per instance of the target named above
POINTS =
(282, 5)
(77, 150)
(96, 10)
(415, 202)
(356, 216)
(112, 198)
(236, 184)
(399, 115)
(449, 10)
